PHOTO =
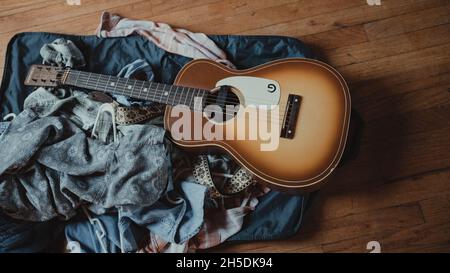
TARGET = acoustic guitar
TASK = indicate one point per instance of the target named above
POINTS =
(286, 121)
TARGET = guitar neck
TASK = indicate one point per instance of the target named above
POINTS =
(144, 90)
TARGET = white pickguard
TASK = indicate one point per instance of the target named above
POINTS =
(254, 90)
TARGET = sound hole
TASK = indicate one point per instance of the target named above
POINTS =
(221, 105)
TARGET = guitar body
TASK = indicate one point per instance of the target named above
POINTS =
(301, 160)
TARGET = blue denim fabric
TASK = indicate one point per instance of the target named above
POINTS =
(73, 105)
(176, 217)
(84, 237)
(3, 126)
(278, 215)
(62, 52)
(57, 166)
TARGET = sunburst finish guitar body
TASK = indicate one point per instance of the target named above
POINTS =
(304, 103)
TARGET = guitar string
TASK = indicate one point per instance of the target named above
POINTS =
(104, 81)
(124, 91)
(178, 86)
(90, 85)
(177, 92)
(118, 79)
(280, 118)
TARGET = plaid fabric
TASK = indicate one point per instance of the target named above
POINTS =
(178, 41)
(221, 222)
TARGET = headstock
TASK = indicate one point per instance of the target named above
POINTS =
(45, 75)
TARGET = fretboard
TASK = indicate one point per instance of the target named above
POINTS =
(145, 90)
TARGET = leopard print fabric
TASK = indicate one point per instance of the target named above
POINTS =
(241, 179)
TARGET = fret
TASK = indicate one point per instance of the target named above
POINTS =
(169, 94)
(157, 92)
(124, 88)
(200, 100)
(118, 88)
(146, 88)
(130, 87)
(151, 90)
(148, 93)
(80, 80)
(78, 75)
(160, 93)
(87, 81)
(175, 95)
(134, 85)
(163, 91)
(202, 97)
(190, 102)
(187, 95)
(140, 91)
(107, 84)
(195, 99)
(115, 85)
(179, 93)
(96, 84)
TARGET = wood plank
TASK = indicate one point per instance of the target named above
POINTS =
(343, 228)
(413, 21)
(391, 129)
(169, 6)
(389, 105)
(426, 76)
(84, 24)
(421, 238)
(412, 41)
(336, 38)
(343, 17)
(432, 236)
(342, 199)
(280, 246)
(198, 15)
(9, 7)
(436, 209)
(259, 21)
(390, 67)
(397, 147)
(55, 12)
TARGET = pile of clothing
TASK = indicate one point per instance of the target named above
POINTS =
(109, 180)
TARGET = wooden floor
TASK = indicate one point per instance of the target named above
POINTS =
(396, 58)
